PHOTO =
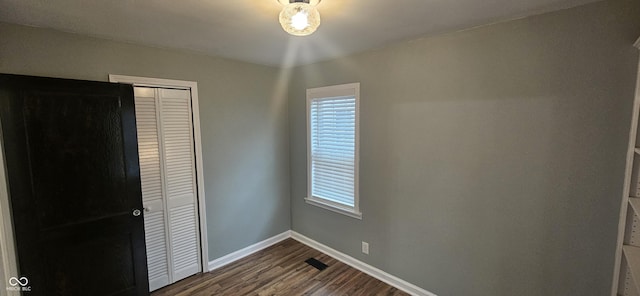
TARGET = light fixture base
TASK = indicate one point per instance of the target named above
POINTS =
(312, 2)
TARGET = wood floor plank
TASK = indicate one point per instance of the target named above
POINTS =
(281, 270)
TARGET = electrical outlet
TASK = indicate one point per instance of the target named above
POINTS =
(365, 248)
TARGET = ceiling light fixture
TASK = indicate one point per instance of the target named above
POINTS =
(299, 17)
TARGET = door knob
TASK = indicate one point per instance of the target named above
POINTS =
(136, 213)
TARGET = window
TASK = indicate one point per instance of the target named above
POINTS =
(332, 148)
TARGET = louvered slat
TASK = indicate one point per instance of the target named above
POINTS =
(156, 250)
(146, 123)
(184, 239)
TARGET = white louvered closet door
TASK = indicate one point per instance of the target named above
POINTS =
(180, 181)
(152, 187)
(167, 169)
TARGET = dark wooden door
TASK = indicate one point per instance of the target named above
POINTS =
(74, 184)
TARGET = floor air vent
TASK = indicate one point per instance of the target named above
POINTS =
(317, 264)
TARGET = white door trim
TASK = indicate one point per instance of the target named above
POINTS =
(193, 86)
(9, 266)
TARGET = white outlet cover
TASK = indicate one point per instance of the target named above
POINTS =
(365, 248)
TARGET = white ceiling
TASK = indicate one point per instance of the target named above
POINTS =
(248, 30)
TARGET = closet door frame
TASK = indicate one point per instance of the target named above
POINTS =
(195, 111)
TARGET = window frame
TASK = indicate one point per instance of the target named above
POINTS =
(319, 93)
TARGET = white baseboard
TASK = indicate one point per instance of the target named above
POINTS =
(355, 263)
(366, 268)
(237, 255)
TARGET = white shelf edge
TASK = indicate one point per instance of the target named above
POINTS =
(635, 204)
(633, 261)
(631, 155)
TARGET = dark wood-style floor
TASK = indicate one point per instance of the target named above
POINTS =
(281, 270)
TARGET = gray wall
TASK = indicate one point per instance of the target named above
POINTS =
(243, 119)
(492, 159)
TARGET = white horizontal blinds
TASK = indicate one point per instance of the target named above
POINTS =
(151, 182)
(333, 132)
(177, 143)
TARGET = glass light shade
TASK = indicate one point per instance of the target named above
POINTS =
(300, 19)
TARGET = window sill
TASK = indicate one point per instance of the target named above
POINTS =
(334, 208)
